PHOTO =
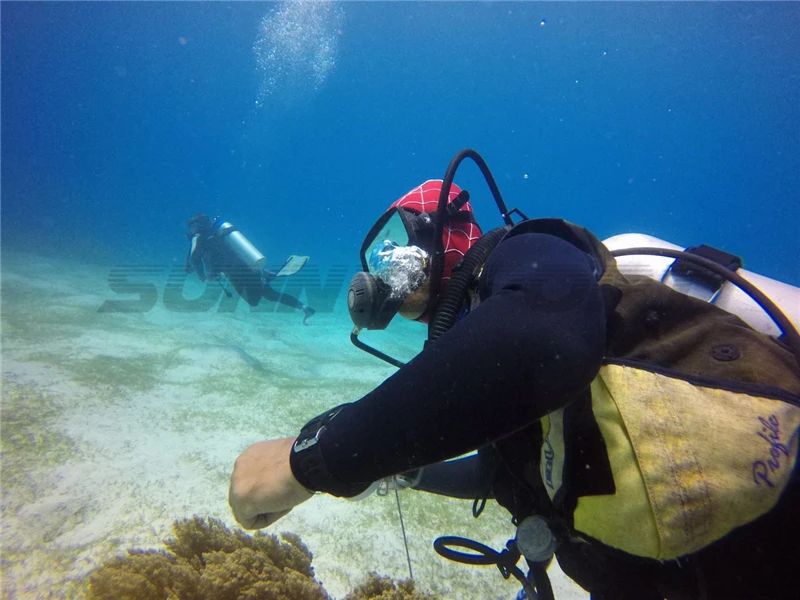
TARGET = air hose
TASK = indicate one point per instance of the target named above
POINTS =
(790, 335)
(463, 276)
(536, 585)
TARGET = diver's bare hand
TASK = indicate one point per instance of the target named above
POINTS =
(263, 488)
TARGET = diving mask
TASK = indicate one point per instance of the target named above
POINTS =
(394, 265)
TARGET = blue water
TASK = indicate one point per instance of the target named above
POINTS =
(120, 120)
(301, 123)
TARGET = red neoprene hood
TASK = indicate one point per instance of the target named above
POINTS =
(458, 236)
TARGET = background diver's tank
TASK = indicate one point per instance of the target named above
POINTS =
(728, 297)
(241, 246)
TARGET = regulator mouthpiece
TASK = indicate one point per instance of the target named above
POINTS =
(362, 299)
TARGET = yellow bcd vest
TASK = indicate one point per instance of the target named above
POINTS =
(700, 417)
(690, 463)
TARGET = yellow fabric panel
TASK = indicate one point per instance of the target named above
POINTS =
(709, 461)
(625, 519)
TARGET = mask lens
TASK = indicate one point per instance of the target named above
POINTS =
(380, 258)
(394, 229)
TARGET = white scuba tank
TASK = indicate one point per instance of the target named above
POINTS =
(729, 297)
(241, 246)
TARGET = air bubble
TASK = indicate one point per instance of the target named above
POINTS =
(296, 50)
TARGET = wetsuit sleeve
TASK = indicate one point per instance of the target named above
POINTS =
(467, 478)
(534, 343)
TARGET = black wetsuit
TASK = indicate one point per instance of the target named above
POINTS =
(533, 345)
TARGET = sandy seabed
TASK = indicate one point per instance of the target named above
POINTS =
(114, 425)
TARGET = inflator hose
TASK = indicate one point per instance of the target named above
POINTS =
(463, 277)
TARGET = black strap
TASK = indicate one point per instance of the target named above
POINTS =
(308, 465)
(704, 276)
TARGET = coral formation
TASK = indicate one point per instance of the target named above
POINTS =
(383, 588)
(207, 561)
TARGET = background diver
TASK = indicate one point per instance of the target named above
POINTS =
(646, 438)
(217, 248)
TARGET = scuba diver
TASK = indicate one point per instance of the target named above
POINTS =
(217, 248)
(639, 420)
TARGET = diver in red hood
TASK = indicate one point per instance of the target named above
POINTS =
(600, 405)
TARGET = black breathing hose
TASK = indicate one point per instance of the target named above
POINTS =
(437, 262)
(463, 276)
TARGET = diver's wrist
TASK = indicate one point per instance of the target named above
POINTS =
(308, 464)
